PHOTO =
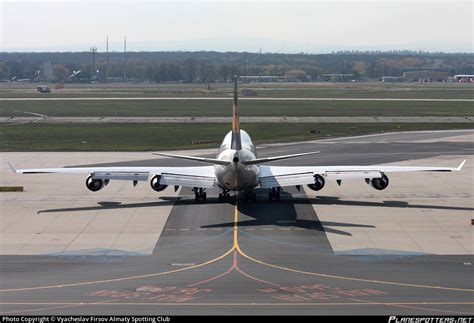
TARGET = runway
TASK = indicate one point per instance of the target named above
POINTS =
(346, 250)
(207, 98)
(227, 120)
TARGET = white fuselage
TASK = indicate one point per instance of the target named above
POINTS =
(237, 176)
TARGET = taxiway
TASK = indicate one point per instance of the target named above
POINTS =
(343, 250)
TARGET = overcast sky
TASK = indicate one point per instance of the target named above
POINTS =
(307, 26)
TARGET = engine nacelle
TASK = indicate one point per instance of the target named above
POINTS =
(155, 183)
(94, 184)
(318, 183)
(380, 183)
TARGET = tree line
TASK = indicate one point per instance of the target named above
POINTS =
(162, 67)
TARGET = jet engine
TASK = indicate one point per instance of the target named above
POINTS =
(94, 184)
(318, 183)
(155, 183)
(380, 183)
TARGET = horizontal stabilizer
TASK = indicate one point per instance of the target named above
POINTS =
(269, 159)
(199, 159)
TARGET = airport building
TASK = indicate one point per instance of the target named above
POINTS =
(426, 75)
(335, 77)
(464, 78)
(392, 79)
(260, 78)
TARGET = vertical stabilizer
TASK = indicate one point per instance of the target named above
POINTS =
(236, 142)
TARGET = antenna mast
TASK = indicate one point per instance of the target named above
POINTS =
(94, 70)
(107, 60)
(125, 58)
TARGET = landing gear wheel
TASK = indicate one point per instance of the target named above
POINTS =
(274, 194)
(250, 196)
(199, 194)
(224, 197)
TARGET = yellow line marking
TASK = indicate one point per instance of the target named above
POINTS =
(132, 277)
(120, 279)
(239, 250)
(247, 304)
(236, 224)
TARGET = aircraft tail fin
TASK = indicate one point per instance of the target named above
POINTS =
(236, 142)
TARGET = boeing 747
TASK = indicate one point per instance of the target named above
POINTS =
(237, 168)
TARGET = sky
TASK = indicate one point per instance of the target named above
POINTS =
(227, 25)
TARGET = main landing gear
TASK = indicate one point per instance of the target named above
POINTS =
(199, 194)
(224, 196)
(274, 194)
(250, 196)
(246, 196)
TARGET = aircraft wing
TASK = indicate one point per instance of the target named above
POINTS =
(280, 176)
(200, 176)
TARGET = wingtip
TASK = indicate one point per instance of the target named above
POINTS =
(461, 165)
(312, 153)
(164, 155)
(12, 167)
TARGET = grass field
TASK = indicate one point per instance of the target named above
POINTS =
(301, 90)
(146, 137)
(149, 137)
(213, 108)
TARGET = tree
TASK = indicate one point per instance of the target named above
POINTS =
(362, 68)
(224, 73)
(207, 71)
(60, 72)
(189, 70)
(4, 71)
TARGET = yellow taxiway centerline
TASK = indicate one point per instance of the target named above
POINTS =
(236, 247)
(239, 250)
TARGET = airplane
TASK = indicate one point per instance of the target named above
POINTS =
(237, 168)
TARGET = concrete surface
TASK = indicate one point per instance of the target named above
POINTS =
(339, 253)
(418, 213)
(29, 227)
